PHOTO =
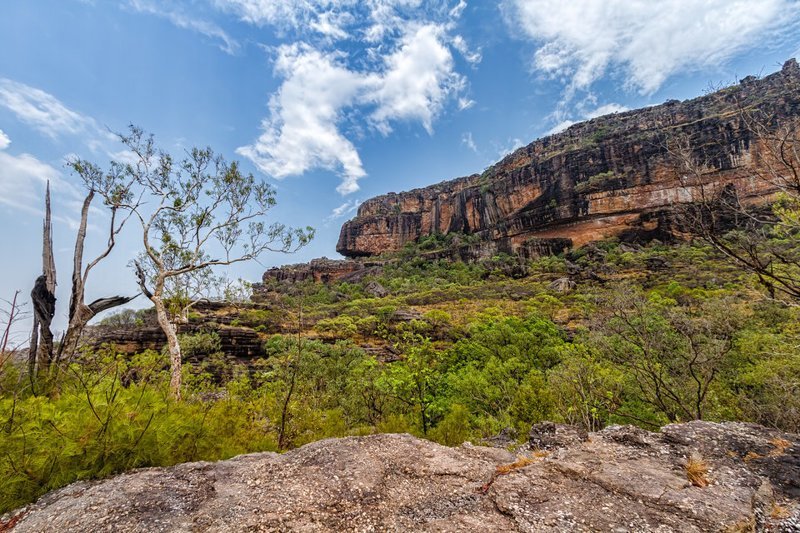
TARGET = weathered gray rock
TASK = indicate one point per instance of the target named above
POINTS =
(549, 436)
(562, 285)
(620, 479)
(375, 289)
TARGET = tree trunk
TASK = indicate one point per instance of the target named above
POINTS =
(79, 313)
(44, 300)
(174, 347)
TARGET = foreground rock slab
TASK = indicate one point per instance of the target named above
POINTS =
(620, 479)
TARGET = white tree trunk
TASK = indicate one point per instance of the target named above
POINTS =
(175, 361)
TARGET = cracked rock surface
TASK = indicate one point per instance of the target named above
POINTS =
(620, 479)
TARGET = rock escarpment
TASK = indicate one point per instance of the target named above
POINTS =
(322, 270)
(619, 479)
(610, 176)
(237, 340)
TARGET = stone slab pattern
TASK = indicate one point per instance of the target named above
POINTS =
(620, 479)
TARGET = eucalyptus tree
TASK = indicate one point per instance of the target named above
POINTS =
(193, 214)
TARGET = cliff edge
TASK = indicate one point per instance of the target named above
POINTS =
(610, 176)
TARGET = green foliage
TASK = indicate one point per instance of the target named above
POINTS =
(199, 344)
(531, 341)
(416, 381)
(596, 182)
(99, 422)
(128, 318)
(674, 354)
(342, 326)
(645, 345)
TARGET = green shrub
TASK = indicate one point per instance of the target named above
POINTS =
(199, 344)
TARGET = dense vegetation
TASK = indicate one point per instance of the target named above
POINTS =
(649, 335)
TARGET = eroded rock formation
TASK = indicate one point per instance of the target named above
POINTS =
(620, 479)
(236, 340)
(610, 176)
(322, 270)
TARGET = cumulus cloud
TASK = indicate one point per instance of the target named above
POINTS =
(399, 68)
(42, 110)
(4, 140)
(301, 130)
(417, 78)
(185, 21)
(583, 40)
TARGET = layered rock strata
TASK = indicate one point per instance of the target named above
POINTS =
(610, 176)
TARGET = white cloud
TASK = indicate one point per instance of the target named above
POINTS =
(274, 12)
(41, 110)
(469, 142)
(327, 17)
(458, 9)
(343, 210)
(418, 78)
(398, 67)
(472, 56)
(22, 179)
(561, 126)
(465, 103)
(606, 109)
(45, 113)
(325, 93)
(301, 131)
(184, 21)
(583, 40)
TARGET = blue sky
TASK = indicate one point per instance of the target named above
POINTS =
(334, 101)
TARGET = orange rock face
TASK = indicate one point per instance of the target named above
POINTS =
(611, 176)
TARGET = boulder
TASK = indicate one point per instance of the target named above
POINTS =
(619, 479)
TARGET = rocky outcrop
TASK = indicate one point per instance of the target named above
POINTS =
(322, 270)
(620, 479)
(224, 319)
(610, 176)
(237, 342)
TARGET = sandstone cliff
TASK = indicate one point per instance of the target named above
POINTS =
(620, 479)
(610, 176)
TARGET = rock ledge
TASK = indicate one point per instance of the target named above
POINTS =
(620, 479)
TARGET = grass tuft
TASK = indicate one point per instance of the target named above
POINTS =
(697, 471)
